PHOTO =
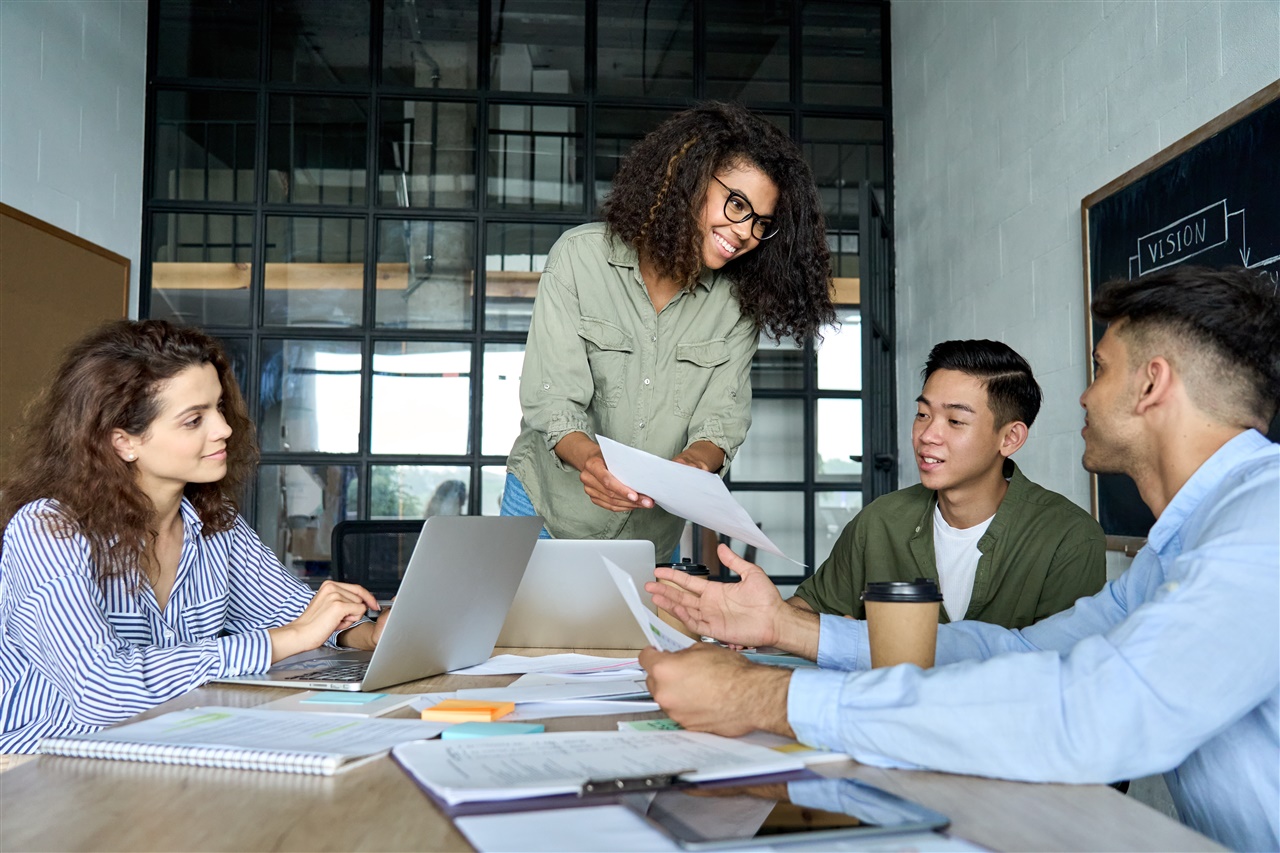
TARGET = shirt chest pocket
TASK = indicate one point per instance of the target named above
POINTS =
(133, 628)
(695, 364)
(608, 350)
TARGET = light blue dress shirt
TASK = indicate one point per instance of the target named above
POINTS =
(77, 655)
(1173, 667)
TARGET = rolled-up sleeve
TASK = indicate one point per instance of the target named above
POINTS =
(555, 385)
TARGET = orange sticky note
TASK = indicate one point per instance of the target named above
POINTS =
(466, 710)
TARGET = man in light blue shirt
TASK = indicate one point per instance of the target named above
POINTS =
(1174, 667)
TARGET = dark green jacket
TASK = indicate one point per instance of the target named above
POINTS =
(1039, 555)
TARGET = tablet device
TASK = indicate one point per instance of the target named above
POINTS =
(709, 818)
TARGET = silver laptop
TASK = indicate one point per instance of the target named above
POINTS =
(456, 590)
(568, 599)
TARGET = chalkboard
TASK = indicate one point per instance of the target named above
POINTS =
(1212, 198)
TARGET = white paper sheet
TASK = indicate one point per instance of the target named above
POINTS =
(661, 635)
(551, 710)
(567, 663)
(518, 766)
(688, 492)
(561, 692)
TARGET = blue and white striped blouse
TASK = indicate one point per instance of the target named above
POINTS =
(75, 657)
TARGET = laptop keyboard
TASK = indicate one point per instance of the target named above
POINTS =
(337, 672)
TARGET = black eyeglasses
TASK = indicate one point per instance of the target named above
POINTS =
(738, 209)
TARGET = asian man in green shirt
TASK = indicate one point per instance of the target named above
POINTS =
(1003, 549)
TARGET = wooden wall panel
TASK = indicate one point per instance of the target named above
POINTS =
(54, 286)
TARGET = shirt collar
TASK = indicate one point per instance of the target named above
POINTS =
(1206, 478)
(1017, 485)
(622, 254)
(190, 516)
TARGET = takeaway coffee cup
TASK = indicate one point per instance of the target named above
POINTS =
(902, 621)
(689, 567)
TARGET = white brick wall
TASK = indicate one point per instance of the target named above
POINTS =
(1006, 114)
(72, 86)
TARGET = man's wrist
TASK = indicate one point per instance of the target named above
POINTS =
(772, 685)
(798, 631)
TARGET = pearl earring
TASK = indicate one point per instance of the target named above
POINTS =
(132, 457)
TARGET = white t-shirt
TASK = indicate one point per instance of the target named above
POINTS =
(956, 553)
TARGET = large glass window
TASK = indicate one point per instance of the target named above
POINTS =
(430, 45)
(427, 154)
(748, 52)
(309, 396)
(359, 197)
(426, 274)
(201, 268)
(645, 50)
(314, 271)
(316, 150)
(535, 157)
(421, 398)
(538, 46)
(515, 254)
(843, 57)
(211, 39)
(205, 146)
(323, 42)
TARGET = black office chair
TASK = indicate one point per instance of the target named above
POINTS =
(373, 553)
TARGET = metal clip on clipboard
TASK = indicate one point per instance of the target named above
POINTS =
(635, 784)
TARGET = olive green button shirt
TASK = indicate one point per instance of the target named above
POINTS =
(600, 360)
(1040, 553)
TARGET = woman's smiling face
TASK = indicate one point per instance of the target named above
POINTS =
(724, 240)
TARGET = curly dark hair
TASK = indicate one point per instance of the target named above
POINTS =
(111, 380)
(785, 283)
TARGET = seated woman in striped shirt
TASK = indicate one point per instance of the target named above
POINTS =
(127, 576)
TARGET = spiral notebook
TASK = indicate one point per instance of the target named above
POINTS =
(247, 739)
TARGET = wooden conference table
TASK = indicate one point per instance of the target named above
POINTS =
(56, 803)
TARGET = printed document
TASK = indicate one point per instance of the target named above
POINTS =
(661, 635)
(688, 492)
(515, 767)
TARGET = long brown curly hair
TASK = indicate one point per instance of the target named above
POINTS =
(659, 193)
(109, 380)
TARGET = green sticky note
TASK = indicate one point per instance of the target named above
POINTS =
(337, 698)
(662, 725)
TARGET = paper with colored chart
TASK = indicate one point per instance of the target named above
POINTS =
(661, 635)
(688, 492)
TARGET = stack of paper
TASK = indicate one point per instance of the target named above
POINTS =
(511, 768)
(564, 664)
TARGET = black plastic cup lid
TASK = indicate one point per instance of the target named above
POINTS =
(919, 591)
(688, 566)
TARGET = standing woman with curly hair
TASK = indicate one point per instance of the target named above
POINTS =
(645, 325)
(127, 577)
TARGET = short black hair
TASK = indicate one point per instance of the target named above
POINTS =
(1012, 391)
(1228, 316)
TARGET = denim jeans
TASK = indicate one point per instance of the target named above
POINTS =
(515, 501)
